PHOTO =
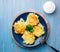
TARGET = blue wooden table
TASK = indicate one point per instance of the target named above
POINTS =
(9, 8)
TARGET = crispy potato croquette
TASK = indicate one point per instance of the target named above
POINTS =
(32, 19)
(39, 30)
(28, 38)
(19, 26)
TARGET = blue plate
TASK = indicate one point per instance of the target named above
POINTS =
(17, 38)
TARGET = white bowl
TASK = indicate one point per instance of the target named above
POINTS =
(49, 7)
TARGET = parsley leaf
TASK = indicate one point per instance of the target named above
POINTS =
(29, 28)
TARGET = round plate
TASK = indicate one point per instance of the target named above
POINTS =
(17, 38)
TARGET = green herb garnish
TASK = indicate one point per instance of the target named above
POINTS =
(29, 28)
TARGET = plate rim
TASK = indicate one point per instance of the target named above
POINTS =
(47, 23)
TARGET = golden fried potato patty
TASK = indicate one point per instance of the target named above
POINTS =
(39, 30)
(28, 38)
(19, 26)
(32, 19)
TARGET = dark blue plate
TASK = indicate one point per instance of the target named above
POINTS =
(38, 41)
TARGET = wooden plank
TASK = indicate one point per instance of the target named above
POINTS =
(9, 8)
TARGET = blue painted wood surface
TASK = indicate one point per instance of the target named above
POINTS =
(9, 8)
